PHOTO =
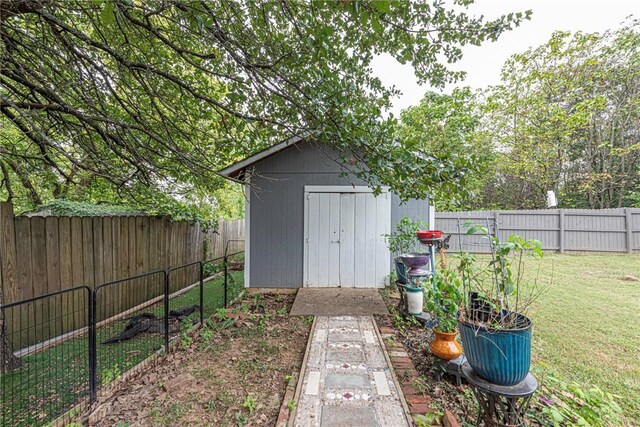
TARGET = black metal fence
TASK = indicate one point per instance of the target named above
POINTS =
(64, 370)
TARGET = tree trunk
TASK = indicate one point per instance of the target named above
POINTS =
(8, 361)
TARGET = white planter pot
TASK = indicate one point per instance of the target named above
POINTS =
(415, 299)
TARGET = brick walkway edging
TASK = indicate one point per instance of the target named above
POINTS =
(405, 373)
(418, 403)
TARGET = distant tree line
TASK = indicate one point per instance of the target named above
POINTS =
(565, 117)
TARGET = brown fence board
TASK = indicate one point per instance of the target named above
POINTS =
(77, 270)
(66, 272)
(107, 261)
(24, 276)
(39, 275)
(52, 265)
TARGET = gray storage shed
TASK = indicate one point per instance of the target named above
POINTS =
(308, 224)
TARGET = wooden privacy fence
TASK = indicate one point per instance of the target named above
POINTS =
(573, 230)
(42, 255)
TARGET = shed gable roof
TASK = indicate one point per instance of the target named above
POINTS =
(234, 170)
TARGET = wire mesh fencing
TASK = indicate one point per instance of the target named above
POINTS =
(129, 323)
(59, 350)
(50, 371)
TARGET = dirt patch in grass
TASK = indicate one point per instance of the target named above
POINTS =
(234, 371)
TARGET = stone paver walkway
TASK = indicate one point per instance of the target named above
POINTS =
(347, 381)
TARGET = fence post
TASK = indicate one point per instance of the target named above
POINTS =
(629, 229)
(93, 379)
(225, 280)
(561, 237)
(201, 293)
(166, 311)
(496, 220)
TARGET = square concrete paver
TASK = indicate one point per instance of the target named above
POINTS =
(350, 355)
(347, 381)
(338, 336)
(337, 416)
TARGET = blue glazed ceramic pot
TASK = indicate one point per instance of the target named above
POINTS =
(500, 356)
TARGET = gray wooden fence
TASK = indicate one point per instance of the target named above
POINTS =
(562, 230)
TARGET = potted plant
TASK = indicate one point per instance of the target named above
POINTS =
(495, 332)
(402, 242)
(443, 296)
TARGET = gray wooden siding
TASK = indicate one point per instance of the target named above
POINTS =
(277, 211)
(606, 230)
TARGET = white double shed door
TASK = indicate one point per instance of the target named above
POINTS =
(344, 243)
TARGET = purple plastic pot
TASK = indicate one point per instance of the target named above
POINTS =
(415, 263)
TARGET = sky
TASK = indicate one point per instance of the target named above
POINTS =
(483, 63)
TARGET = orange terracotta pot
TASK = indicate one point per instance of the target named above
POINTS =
(445, 346)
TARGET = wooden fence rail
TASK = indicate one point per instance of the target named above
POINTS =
(562, 230)
(43, 255)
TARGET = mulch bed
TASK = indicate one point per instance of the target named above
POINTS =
(426, 391)
(233, 372)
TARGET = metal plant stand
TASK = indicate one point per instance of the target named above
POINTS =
(501, 406)
(451, 367)
(434, 245)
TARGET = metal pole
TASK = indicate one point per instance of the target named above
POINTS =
(166, 311)
(91, 298)
(226, 281)
(201, 294)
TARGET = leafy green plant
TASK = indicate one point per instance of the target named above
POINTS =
(291, 405)
(404, 239)
(185, 340)
(241, 419)
(221, 314)
(402, 323)
(249, 404)
(206, 334)
(501, 298)
(429, 419)
(111, 374)
(443, 297)
(560, 403)
(61, 207)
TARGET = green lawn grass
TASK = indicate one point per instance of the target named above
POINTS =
(52, 381)
(587, 324)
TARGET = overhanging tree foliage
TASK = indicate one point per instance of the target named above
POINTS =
(146, 99)
(132, 95)
(450, 125)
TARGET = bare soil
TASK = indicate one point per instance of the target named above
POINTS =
(234, 372)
